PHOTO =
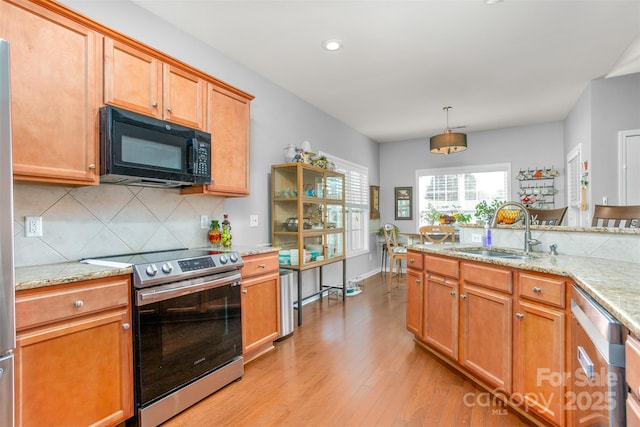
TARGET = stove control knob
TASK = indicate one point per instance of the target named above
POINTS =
(167, 268)
(152, 270)
(233, 257)
(223, 259)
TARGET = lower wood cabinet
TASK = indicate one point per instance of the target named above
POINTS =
(503, 326)
(632, 360)
(540, 359)
(74, 354)
(414, 300)
(486, 325)
(440, 326)
(260, 304)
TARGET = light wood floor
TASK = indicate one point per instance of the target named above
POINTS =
(350, 364)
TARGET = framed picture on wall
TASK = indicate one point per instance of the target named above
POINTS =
(403, 202)
(374, 202)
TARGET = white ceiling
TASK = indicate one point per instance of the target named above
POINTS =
(512, 63)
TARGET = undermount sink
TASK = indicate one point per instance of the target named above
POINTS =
(493, 253)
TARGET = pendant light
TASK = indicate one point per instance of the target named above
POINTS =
(448, 142)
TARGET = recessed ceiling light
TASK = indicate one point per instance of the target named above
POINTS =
(492, 1)
(332, 45)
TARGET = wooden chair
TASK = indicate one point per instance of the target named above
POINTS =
(437, 233)
(547, 216)
(616, 216)
(396, 252)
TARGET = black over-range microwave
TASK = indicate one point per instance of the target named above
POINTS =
(141, 150)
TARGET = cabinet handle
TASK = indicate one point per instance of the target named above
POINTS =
(154, 105)
(452, 293)
(78, 303)
(412, 260)
(244, 291)
(463, 296)
(169, 110)
(125, 326)
(92, 166)
(537, 290)
(429, 276)
(520, 315)
(418, 281)
(262, 266)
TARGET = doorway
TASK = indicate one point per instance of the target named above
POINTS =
(629, 167)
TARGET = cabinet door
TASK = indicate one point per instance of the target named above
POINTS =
(184, 95)
(486, 335)
(55, 82)
(260, 311)
(440, 317)
(229, 126)
(77, 373)
(414, 301)
(539, 353)
(132, 79)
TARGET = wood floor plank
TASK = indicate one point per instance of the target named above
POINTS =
(350, 364)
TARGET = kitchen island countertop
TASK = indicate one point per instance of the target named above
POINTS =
(614, 284)
(39, 276)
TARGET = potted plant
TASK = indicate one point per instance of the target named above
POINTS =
(486, 211)
(380, 232)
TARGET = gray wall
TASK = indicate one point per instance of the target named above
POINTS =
(604, 108)
(523, 147)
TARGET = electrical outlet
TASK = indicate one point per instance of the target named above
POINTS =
(476, 238)
(605, 200)
(33, 226)
(204, 222)
(253, 220)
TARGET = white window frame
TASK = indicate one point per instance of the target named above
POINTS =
(356, 189)
(461, 170)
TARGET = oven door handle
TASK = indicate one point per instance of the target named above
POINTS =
(186, 287)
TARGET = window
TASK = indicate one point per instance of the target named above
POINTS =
(460, 189)
(356, 192)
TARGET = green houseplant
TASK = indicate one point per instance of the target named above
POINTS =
(485, 211)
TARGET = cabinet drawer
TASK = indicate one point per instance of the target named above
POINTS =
(632, 357)
(442, 266)
(489, 277)
(50, 305)
(544, 289)
(260, 264)
(633, 412)
(414, 260)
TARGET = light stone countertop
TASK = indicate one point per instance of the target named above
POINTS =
(614, 284)
(39, 276)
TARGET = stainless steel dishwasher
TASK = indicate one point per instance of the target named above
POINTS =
(597, 367)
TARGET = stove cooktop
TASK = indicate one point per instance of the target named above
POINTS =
(157, 267)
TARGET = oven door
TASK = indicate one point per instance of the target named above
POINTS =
(184, 331)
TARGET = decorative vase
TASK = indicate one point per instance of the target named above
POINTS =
(215, 236)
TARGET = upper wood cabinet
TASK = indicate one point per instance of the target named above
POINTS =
(132, 79)
(140, 82)
(228, 122)
(55, 94)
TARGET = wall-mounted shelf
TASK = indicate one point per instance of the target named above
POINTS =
(537, 187)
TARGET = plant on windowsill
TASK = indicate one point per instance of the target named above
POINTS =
(486, 211)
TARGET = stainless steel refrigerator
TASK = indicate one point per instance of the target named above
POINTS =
(7, 286)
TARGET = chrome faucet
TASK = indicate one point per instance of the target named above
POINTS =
(528, 240)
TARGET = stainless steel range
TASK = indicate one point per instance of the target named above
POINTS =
(187, 328)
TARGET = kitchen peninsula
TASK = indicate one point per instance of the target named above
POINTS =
(502, 319)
